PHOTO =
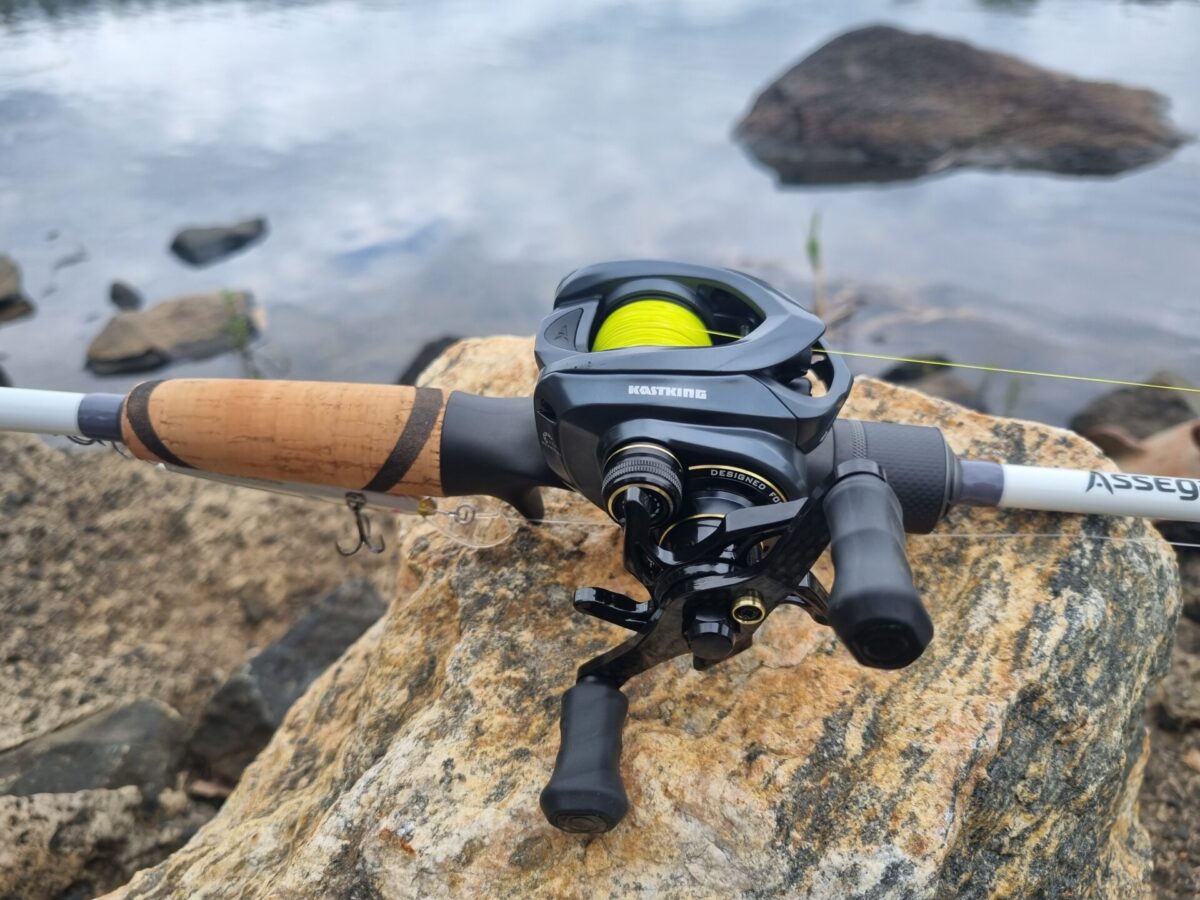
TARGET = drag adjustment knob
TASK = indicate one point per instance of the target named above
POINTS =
(650, 468)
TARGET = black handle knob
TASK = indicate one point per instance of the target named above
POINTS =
(585, 793)
(873, 607)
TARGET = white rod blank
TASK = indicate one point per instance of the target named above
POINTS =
(1091, 492)
(40, 412)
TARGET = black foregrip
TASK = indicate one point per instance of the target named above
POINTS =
(490, 446)
(585, 793)
(919, 465)
(873, 607)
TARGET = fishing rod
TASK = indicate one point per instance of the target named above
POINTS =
(699, 409)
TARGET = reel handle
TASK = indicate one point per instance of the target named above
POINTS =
(873, 607)
(585, 794)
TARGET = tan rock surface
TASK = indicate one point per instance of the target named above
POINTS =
(1005, 763)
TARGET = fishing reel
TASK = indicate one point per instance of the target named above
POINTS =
(699, 409)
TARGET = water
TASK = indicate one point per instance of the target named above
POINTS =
(436, 167)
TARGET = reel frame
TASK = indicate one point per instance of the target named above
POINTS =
(701, 454)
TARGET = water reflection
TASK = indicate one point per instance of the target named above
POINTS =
(438, 167)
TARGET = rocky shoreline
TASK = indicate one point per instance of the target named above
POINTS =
(110, 663)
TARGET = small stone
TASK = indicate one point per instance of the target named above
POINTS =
(194, 327)
(936, 381)
(202, 789)
(204, 245)
(124, 296)
(880, 104)
(1141, 411)
(13, 302)
(1179, 701)
(245, 711)
(139, 743)
(1191, 759)
(82, 844)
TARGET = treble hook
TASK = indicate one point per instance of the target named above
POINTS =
(356, 502)
(96, 442)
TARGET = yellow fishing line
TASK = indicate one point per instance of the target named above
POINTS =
(651, 323)
(998, 369)
(936, 362)
(664, 323)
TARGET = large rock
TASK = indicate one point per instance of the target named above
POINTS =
(13, 302)
(245, 711)
(936, 377)
(1005, 762)
(205, 245)
(194, 327)
(878, 104)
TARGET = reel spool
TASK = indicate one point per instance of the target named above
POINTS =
(652, 322)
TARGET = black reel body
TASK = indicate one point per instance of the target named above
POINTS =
(745, 400)
(718, 456)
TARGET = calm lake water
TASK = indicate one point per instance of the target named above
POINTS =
(436, 167)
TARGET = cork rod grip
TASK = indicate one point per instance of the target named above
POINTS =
(360, 437)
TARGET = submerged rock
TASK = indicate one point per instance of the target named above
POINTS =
(193, 327)
(937, 381)
(13, 302)
(202, 246)
(124, 296)
(879, 104)
(1142, 411)
(1005, 762)
(246, 710)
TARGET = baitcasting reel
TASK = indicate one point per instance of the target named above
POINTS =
(698, 408)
